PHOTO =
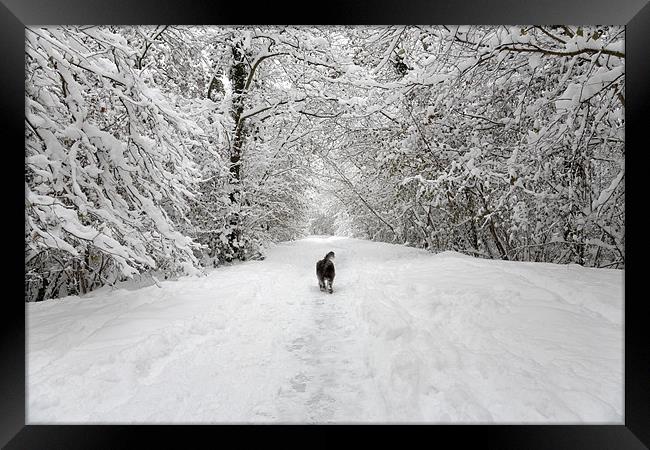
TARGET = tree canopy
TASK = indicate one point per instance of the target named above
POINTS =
(170, 149)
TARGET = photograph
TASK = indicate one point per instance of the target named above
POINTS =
(325, 224)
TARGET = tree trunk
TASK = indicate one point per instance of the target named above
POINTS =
(238, 75)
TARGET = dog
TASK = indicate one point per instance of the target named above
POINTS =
(325, 272)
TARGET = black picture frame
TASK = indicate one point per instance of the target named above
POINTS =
(16, 14)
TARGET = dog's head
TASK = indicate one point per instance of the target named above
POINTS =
(330, 256)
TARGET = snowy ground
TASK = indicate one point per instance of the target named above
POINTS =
(407, 336)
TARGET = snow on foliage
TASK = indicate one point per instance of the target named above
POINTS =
(173, 148)
(514, 151)
(107, 160)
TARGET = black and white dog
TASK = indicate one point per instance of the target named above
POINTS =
(325, 272)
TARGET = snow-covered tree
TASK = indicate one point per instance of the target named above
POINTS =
(170, 148)
(109, 167)
(505, 142)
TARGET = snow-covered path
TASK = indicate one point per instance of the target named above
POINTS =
(407, 336)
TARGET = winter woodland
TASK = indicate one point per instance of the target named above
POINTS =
(173, 149)
(182, 181)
